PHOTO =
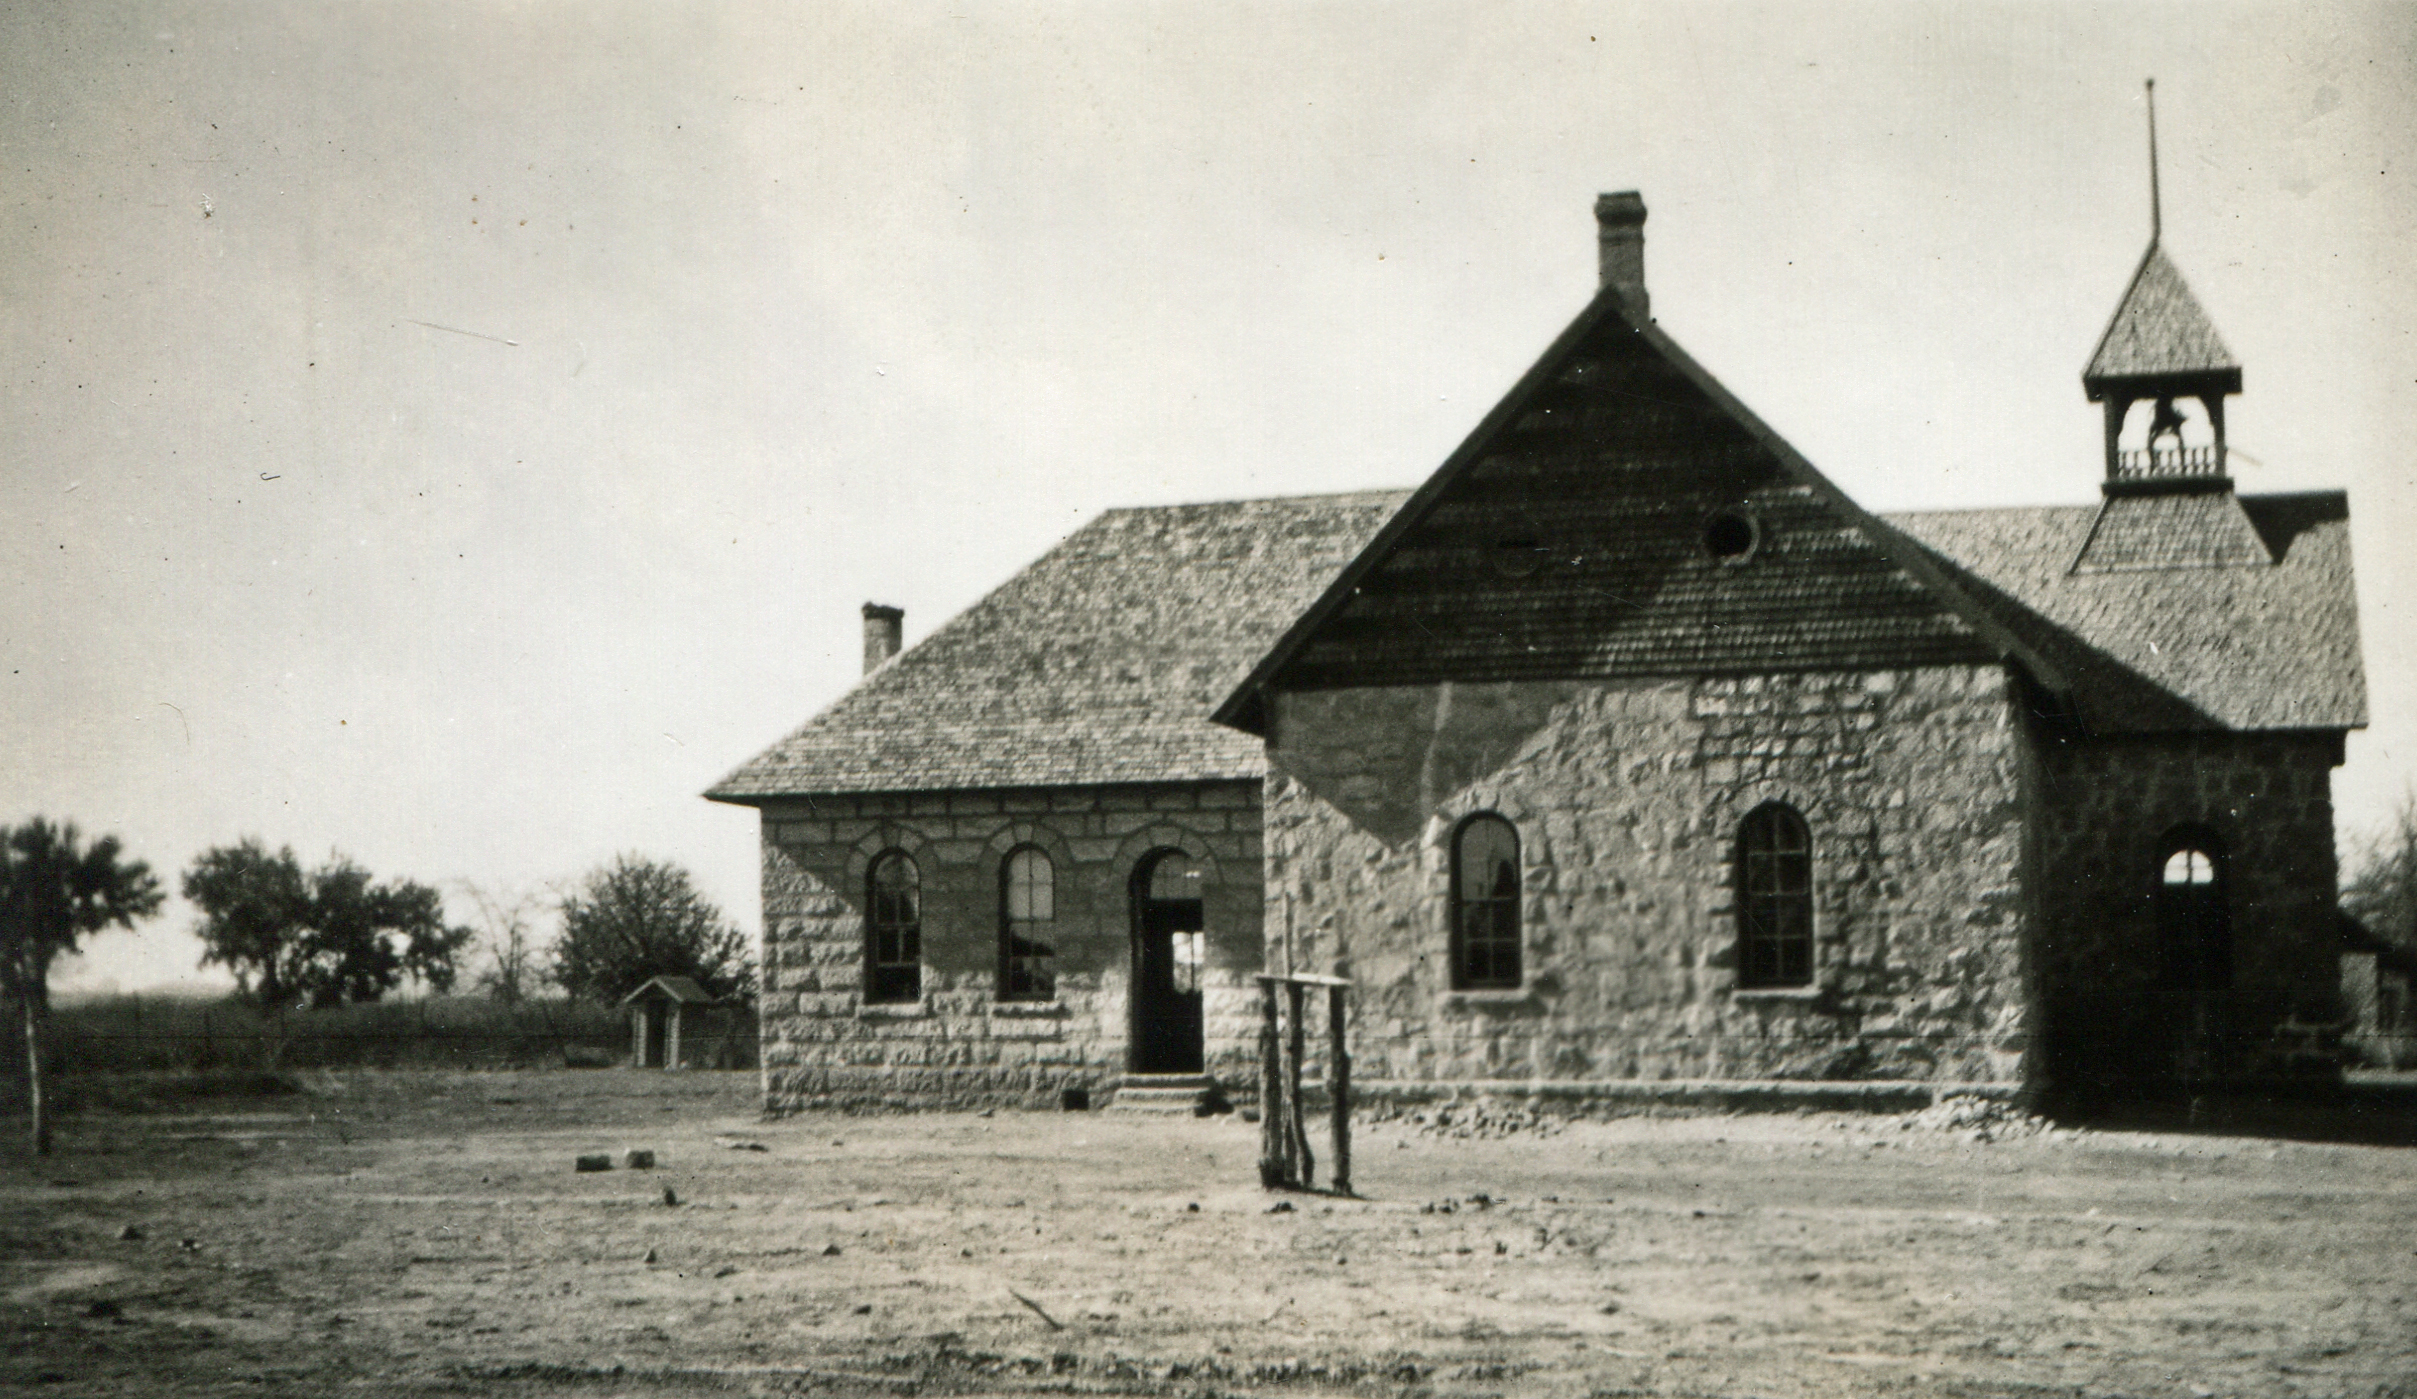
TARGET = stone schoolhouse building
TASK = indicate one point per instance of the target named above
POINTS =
(1625, 754)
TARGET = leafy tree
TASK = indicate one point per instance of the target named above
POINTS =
(54, 890)
(323, 937)
(637, 918)
(2383, 893)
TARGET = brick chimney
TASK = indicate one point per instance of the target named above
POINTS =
(1620, 230)
(884, 632)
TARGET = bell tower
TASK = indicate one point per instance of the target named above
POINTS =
(2168, 493)
(2159, 354)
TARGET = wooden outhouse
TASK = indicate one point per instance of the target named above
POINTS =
(658, 1012)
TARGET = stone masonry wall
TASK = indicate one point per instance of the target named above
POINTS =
(1627, 797)
(2104, 807)
(959, 1045)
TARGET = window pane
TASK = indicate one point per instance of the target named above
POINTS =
(1190, 953)
(894, 931)
(2188, 866)
(1028, 904)
(1775, 899)
(1485, 916)
(1031, 885)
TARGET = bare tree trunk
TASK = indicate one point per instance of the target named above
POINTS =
(33, 1069)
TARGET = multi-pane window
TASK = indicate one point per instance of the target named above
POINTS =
(1775, 899)
(1027, 908)
(893, 951)
(1485, 904)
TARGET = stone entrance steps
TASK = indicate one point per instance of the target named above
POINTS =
(1173, 1095)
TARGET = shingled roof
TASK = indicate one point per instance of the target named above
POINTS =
(2159, 331)
(1097, 664)
(1101, 662)
(2195, 647)
(1601, 466)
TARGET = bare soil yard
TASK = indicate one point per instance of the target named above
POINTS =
(415, 1234)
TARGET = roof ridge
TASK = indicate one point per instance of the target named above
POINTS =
(2115, 318)
(1314, 497)
(1981, 509)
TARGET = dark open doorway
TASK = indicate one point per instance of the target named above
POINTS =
(1170, 952)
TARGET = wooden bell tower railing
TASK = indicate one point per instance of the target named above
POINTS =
(1285, 1159)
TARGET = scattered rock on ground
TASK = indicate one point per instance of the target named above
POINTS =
(1480, 1120)
(1985, 1119)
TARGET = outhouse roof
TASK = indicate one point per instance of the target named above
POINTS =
(678, 988)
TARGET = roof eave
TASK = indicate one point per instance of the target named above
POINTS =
(2220, 379)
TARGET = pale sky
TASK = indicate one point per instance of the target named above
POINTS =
(457, 434)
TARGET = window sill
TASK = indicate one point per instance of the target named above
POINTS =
(1030, 1010)
(1492, 998)
(892, 1010)
(1780, 994)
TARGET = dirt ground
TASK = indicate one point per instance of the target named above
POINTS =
(425, 1234)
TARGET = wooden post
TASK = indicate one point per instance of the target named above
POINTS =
(1338, 1083)
(1304, 1160)
(1271, 1091)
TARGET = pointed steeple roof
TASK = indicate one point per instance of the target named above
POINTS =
(2160, 333)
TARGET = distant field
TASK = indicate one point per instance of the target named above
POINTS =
(416, 1234)
(172, 1034)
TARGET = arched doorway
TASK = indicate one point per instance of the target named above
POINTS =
(2194, 949)
(2194, 943)
(1170, 953)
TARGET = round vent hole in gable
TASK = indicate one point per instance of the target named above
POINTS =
(1731, 535)
(1517, 558)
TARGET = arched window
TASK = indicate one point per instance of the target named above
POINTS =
(1774, 899)
(893, 942)
(1027, 908)
(1485, 905)
(2194, 943)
